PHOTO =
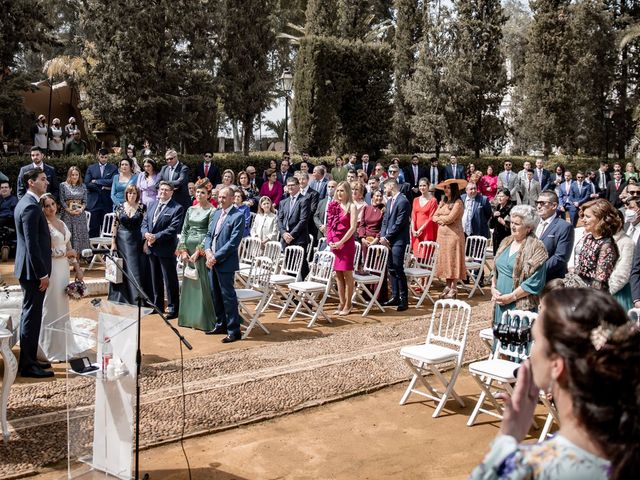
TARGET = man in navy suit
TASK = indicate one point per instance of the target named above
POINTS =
(579, 195)
(37, 157)
(255, 181)
(285, 172)
(556, 234)
(477, 212)
(614, 189)
(206, 169)
(413, 174)
(541, 174)
(32, 268)
(176, 174)
(160, 228)
(319, 182)
(394, 235)
(293, 220)
(98, 180)
(454, 169)
(602, 178)
(365, 165)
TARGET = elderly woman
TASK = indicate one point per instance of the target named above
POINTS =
(519, 273)
(228, 179)
(586, 356)
(596, 253)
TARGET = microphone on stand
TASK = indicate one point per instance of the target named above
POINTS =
(90, 252)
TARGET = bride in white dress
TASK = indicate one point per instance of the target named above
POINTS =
(55, 311)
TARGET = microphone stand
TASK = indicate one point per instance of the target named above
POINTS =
(142, 296)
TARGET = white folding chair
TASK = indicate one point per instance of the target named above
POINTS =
(475, 257)
(420, 276)
(449, 325)
(249, 249)
(486, 335)
(310, 249)
(273, 251)
(88, 215)
(289, 273)
(408, 256)
(252, 300)
(372, 275)
(104, 240)
(312, 294)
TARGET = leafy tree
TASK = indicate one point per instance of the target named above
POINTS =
(277, 127)
(322, 17)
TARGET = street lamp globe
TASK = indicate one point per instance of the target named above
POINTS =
(286, 81)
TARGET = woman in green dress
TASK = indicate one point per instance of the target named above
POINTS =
(520, 273)
(196, 303)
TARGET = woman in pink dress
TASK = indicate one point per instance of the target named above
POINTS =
(488, 184)
(422, 225)
(342, 221)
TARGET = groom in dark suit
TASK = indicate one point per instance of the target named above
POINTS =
(394, 235)
(221, 248)
(293, 220)
(32, 268)
(160, 228)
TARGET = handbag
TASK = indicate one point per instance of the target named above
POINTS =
(190, 271)
(111, 272)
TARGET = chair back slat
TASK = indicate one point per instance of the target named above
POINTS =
(322, 267)
(292, 262)
(249, 249)
(272, 250)
(427, 255)
(376, 259)
(450, 323)
(107, 225)
(259, 274)
(476, 248)
(356, 257)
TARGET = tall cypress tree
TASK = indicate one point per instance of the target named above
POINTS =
(322, 17)
(353, 16)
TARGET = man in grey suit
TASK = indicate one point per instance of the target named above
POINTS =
(176, 174)
(509, 179)
(529, 189)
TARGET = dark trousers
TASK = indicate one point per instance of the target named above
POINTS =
(399, 287)
(163, 271)
(225, 301)
(304, 270)
(30, 322)
(95, 223)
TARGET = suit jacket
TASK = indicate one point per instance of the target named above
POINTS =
(33, 249)
(319, 186)
(283, 178)
(542, 179)
(558, 240)
(563, 194)
(613, 194)
(396, 221)
(227, 241)
(512, 183)
(449, 173)
(53, 188)
(552, 185)
(607, 179)
(97, 197)
(438, 177)
(368, 169)
(180, 183)
(166, 228)
(319, 216)
(580, 195)
(295, 222)
(410, 178)
(213, 174)
(480, 216)
(529, 195)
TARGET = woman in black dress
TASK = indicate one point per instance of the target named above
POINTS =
(499, 222)
(128, 241)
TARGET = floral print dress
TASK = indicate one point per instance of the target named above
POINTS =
(596, 260)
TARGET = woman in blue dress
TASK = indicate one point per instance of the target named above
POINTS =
(121, 181)
(239, 201)
(519, 274)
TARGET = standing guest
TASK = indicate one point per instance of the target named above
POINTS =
(413, 174)
(192, 192)
(632, 183)
(357, 196)
(451, 263)
(301, 167)
(98, 180)
(254, 181)
(403, 187)
(147, 182)
(372, 187)
(293, 220)
(541, 174)
(196, 303)
(365, 165)
(265, 225)
(319, 181)
(362, 176)
(435, 175)
(500, 222)
(631, 218)
(423, 226)
(76, 146)
(285, 172)
(176, 174)
(477, 212)
(394, 234)
(630, 171)
(509, 179)
(221, 248)
(39, 133)
(228, 180)
(146, 149)
(56, 138)
(32, 268)
(239, 202)
(522, 174)
(380, 173)
(454, 169)
(160, 228)
(73, 200)
(519, 272)
(470, 171)
(272, 188)
(131, 155)
(312, 196)
(556, 234)
(564, 191)
(556, 178)
(320, 215)
(395, 162)
(598, 253)
(585, 356)
(69, 131)
(127, 240)
(370, 224)
(37, 161)
(206, 169)
(592, 178)
(341, 227)
(619, 285)
(121, 181)
(251, 194)
(273, 165)
(8, 203)
(488, 185)
(529, 189)
(339, 172)
(579, 195)
(351, 176)
(614, 189)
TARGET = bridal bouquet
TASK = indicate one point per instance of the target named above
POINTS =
(76, 290)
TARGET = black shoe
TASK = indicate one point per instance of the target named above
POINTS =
(172, 315)
(35, 371)
(43, 365)
(230, 339)
(402, 307)
(220, 330)
(393, 302)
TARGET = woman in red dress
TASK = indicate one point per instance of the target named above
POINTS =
(422, 225)
(272, 188)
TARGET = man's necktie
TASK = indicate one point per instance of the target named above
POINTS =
(434, 177)
(206, 169)
(617, 185)
(223, 215)
(156, 214)
(291, 205)
(101, 171)
(508, 176)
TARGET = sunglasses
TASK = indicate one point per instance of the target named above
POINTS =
(542, 202)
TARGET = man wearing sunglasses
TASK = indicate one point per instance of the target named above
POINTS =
(206, 169)
(556, 234)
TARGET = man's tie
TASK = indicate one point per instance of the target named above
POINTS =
(508, 176)
(206, 169)
(434, 176)
(291, 205)
(101, 171)
(156, 214)
(542, 228)
(223, 215)
(617, 185)
(170, 173)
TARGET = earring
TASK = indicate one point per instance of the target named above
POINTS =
(549, 391)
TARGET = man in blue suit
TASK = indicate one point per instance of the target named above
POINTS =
(32, 268)
(477, 212)
(160, 228)
(98, 179)
(556, 234)
(580, 193)
(394, 235)
(541, 174)
(454, 169)
(37, 157)
(176, 174)
(221, 248)
(293, 220)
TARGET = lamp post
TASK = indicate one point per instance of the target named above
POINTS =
(286, 83)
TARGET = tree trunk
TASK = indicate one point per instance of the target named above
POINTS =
(236, 135)
(247, 133)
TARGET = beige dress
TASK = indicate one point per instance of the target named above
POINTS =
(451, 240)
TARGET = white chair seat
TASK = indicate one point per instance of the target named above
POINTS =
(307, 286)
(498, 368)
(97, 240)
(366, 278)
(486, 334)
(247, 294)
(417, 272)
(244, 266)
(429, 353)
(472, 265)
(281, 279)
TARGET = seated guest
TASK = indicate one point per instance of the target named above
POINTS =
(147, 182)
(357, 191)
(619, 285)
(339, 172)
(519, 271)
(585, 355)
(73, 201)
(250, 192)
(121, 181)
(380, 173)
(423, 226)
(254, 181)
(8, 204)
(370, 223)
(362, 176)
(273, 165)
(500, 221)
(265, 225)
(239, 202)
(228, 180)
(272, 188)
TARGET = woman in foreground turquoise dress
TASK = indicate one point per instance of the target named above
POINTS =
(520, 273)
(196, 303)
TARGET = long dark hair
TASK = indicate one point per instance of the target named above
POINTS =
(455, 194)
(602, 372)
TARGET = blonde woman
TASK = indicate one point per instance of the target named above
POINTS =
(265, 225)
